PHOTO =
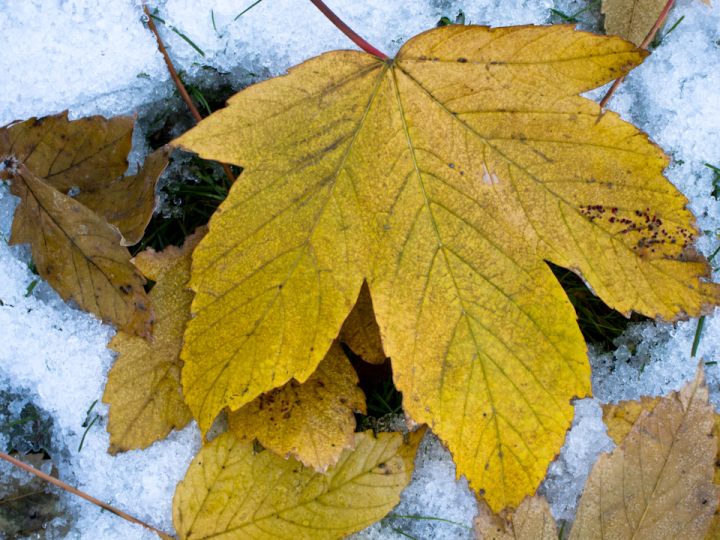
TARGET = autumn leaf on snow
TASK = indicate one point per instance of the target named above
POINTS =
(231, 492)
(129, 202)
(531, 521)
(658, 483)
(89, 155)
(143, 387)
(446, 177)
(633, 19)
(80, 255)
(620, 418)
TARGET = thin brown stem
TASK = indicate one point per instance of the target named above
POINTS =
(349, 32)
(179, 84)
(648, 39)
(79, 493)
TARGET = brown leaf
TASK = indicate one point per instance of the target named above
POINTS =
(531, 521)
(80, 255)
(143, 387)
(633, 19)
(312, 421)
(620, 418)
(657, 484)
(84, 153)
(361, 332)
(129, 201)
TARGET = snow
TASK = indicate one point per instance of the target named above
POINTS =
(97, 57)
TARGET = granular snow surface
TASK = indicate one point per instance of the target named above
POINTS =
(97, 57)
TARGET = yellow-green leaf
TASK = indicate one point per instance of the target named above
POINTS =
(531, 521)
(312, 421)
(633, 19)
(657, 484)
(79, 254)
(129, 201)
(231, 493)
(361, 332)
(446, 177)
(143, 387)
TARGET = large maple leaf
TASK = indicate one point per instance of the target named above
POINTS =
(445, 177)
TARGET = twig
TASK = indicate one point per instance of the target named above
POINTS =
(79, 493)
(178, 82)
(643, 45)
(349, 32)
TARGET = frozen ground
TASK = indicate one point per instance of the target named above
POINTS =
(96, 57)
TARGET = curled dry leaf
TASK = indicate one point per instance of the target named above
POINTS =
(531, 521)
(445, 177)
(79, 254)
(90, 155)
(658, 483)
(633, 19)
(143, 387)
(361, 332)
(129, 201)
(312, 421)
(233, 493)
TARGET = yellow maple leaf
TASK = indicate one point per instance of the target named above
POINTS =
(143, 387)
(445, 177)
(633, 19)
(658, 483)
(231, 492)
(312, 421)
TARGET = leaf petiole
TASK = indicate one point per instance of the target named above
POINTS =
(345, 29)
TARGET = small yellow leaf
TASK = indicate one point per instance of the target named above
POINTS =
(620, 418)
(633, 19)
(79, 254)
(531, 521)
(445, 177)
(129, 201)
(657, 484)
(143, 387)
(84, 153)
(361, 332)
(312, 421)
(231, 493)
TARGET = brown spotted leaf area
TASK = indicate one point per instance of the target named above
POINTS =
(658, 483)
(230, 492)
(143, 387)
(361, 332)
(620, 418)
(531, 521)
(79, 254)
(312, 421)
(444, 178)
